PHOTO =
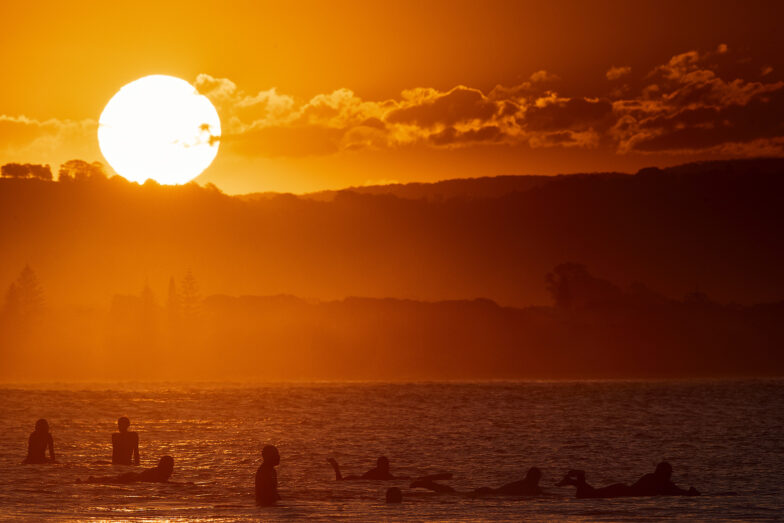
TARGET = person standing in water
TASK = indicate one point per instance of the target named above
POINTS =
(38, 442)
(267, 477)
(125, 444)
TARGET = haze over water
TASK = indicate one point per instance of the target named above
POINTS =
(719, 436)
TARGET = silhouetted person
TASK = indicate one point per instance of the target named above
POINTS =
(432, 485)
(659, 483)
(267, 477)
(394, 495)
(528, 486)
(38, 442)
(159, 474)
(380, 472)
(656, 484)
(584, 490)
(125, 445)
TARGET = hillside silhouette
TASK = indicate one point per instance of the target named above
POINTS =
(464, 188)
(710, 226)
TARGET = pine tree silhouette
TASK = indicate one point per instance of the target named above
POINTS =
(190, 299)
(25, 297)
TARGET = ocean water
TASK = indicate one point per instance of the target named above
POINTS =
(719, 436)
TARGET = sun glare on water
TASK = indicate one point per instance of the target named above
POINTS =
(159, 127)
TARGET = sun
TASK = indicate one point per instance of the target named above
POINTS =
(159, 127)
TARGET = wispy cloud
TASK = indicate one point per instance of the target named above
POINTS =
(693, 102)
(613, 73)
(686, 104)
(53, 140)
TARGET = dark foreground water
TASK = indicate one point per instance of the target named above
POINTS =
(719, 435)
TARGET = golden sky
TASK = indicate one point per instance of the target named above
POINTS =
(319, 95)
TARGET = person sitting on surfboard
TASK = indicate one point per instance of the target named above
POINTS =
(38, 442)
(125, 444)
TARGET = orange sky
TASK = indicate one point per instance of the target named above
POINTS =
(317, 95)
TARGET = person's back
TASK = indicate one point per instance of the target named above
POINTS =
(381, 471)
(38, 442)
(659, 483)
(529, 486)
(159, 474)
(267, 477)
(125, 444)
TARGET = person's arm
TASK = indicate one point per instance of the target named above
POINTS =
(336, 468)
(50, 444)
(135, 458)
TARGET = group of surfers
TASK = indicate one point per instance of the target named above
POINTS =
(125, 451)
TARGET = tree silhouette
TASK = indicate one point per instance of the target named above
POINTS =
(25, 297)
(190, 299)
(148, 302)
(26, 170)
(11, 307)
(80, 171)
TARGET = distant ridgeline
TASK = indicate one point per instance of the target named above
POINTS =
(708, 234)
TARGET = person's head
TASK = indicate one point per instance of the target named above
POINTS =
(42, 426)
(123, 424)
(394, 495)
(166, 466)
(663, 471)
(533, 476)
(270, 455)
(382, 463)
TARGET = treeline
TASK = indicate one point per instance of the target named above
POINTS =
(72, 170)
(595, 329)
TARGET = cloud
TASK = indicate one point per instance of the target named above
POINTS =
(272, 124)
(461, 104)
(560, 114)
(613, 73)
(713, 102)
(687, 104)
(544, 76)
(53, 141)
(691, 105)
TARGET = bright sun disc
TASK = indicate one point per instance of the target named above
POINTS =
(159, 127)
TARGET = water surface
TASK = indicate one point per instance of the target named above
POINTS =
(719, 435)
